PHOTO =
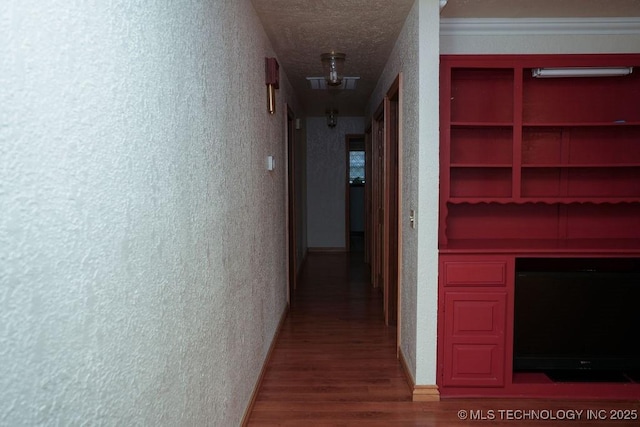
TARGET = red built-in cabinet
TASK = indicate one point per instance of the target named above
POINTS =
(474, 303)
(529, 167)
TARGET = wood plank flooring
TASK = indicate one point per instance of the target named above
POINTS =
(334, 364)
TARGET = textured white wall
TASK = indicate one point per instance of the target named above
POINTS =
(404, 59)
(142, 240)
(428, 193)
(326, 179)
(415, 55)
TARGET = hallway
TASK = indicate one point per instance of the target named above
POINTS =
(334, 364)
(334, 360)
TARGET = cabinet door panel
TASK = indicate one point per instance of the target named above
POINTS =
(474, 339)
(479, 365)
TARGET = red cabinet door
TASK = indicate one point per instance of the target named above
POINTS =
(474, 339)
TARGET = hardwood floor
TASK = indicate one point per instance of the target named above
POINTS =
(334, 364)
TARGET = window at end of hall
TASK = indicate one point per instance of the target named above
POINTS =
(356, 167)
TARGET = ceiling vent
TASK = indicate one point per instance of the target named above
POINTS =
(348, 83)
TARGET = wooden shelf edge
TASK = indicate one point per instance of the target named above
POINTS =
(589, 166)
(581, 124)
(480, 165)
(464, 124)
(604, 247)
(542, 200)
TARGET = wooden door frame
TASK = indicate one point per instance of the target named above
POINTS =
(392, 203)
(292, 261)
(367, 195)
(377, 207)
(386, 242)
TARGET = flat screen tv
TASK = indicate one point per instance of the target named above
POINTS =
(577, 316)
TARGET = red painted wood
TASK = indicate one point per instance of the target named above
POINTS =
(474, 341)
(509, 139)
(475, 273)
(481, 145)
(473, 92)
(476, 337)
(528, 167)
(588, 100)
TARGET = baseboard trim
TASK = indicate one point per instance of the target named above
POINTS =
(419, 393)
(405, 370)
(323, 249)
(426, 393)
(256, 388)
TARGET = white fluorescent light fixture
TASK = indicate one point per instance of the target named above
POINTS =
(581, 72)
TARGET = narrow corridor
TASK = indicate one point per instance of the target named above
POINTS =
(334, 360)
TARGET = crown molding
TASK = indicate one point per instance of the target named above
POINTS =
(538, 26)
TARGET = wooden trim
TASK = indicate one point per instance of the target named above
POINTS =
(405, 369)
(396, 91)
(265, 363)
(392, 204)
(347, 196)
(419, 393)
(368, 214)
(290, 191)
(327, 249)
(377, 188)
(426, 393)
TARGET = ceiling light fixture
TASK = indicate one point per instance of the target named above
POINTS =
(333, 64)
(332, 120)
(581, 72)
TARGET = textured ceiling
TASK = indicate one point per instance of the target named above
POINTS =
(366, 30)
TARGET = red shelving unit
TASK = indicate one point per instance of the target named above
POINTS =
(529, 167)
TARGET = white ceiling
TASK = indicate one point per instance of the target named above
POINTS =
(366, 30)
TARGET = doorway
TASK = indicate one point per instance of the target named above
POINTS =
(291, 206)
(356, 182)
(385, 245)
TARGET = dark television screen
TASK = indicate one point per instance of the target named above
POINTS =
(580, 315)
